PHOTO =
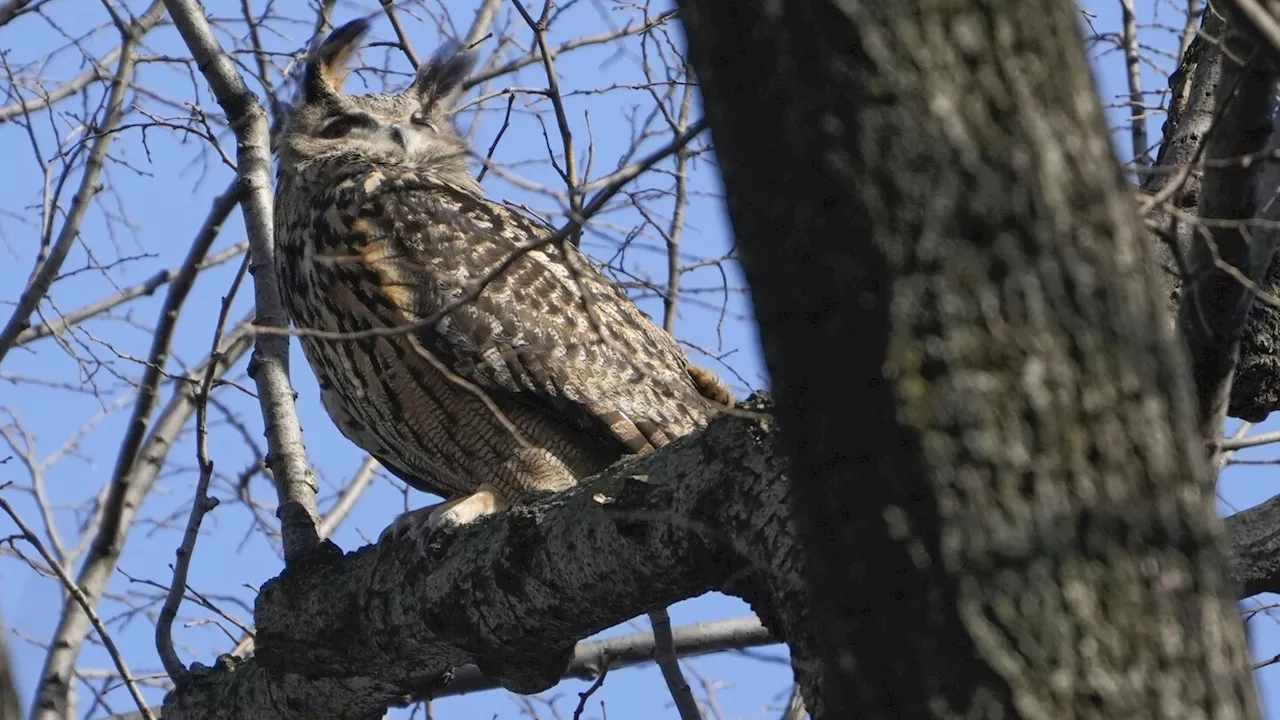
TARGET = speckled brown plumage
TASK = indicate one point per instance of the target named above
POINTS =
(545, 377)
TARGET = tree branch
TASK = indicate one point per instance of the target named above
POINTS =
(97, 73)
(11, 9)
(47, 266)
(591, 658)
(363, 631)
(286, 453)
(1255, 547)
(347, 636)
(669, 664)
(115, 520)
(146, 287)
(85, 605)
(1215, 304)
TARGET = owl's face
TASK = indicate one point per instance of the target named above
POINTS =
(412, 129)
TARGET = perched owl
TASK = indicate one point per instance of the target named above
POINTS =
(547, 376)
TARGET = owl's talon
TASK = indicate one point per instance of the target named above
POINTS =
(413, 524)
(424, 524)
(486, 500)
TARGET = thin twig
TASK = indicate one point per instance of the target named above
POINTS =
(113, 522)
(97, 73)
(1133, 64)
(406, 47)
(47, 268)
(665, 657)
(74, 590)
(600, 39)
(147, 287)
(506, 122)
(485, 17)
(676, 228)
(202, 503)
(350, 494)
(584, 696)
(570, 173)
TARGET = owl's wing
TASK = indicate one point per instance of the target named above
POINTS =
(550, 330)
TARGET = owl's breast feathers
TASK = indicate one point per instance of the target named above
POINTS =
(548, 341)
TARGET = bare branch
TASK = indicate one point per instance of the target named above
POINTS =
(119, 510)
(47, 266)
(486, 14)
(85, 605)
(1215, 305)
(11, 9)
(202, 503)
(270, 365)
(147, 287)
(585, 695)
(1133, 65)
(97, 73)
(532, 57)
(347, 500)
(591, 658)
(406, 47)
(665, 656)
(665, 540)
(570, 173)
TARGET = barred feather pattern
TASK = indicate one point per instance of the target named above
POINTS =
(546, 377)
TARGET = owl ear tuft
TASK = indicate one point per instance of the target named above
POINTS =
(440, 79)
(327, 65)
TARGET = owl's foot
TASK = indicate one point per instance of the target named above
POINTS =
(486, 500)
(422, 524)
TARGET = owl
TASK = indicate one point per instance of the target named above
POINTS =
(482, 386)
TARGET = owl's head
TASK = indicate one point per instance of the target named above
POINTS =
(411, 129)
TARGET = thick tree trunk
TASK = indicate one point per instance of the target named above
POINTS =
(990, 428)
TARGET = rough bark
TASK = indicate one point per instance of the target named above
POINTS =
(1224, 258)
(345, 636)
(991, 431)
(743, 481)
(1190, 115)
(1199, 90)
(1255, 547)
(1202, 79)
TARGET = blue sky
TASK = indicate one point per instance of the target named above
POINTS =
(166, 197)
